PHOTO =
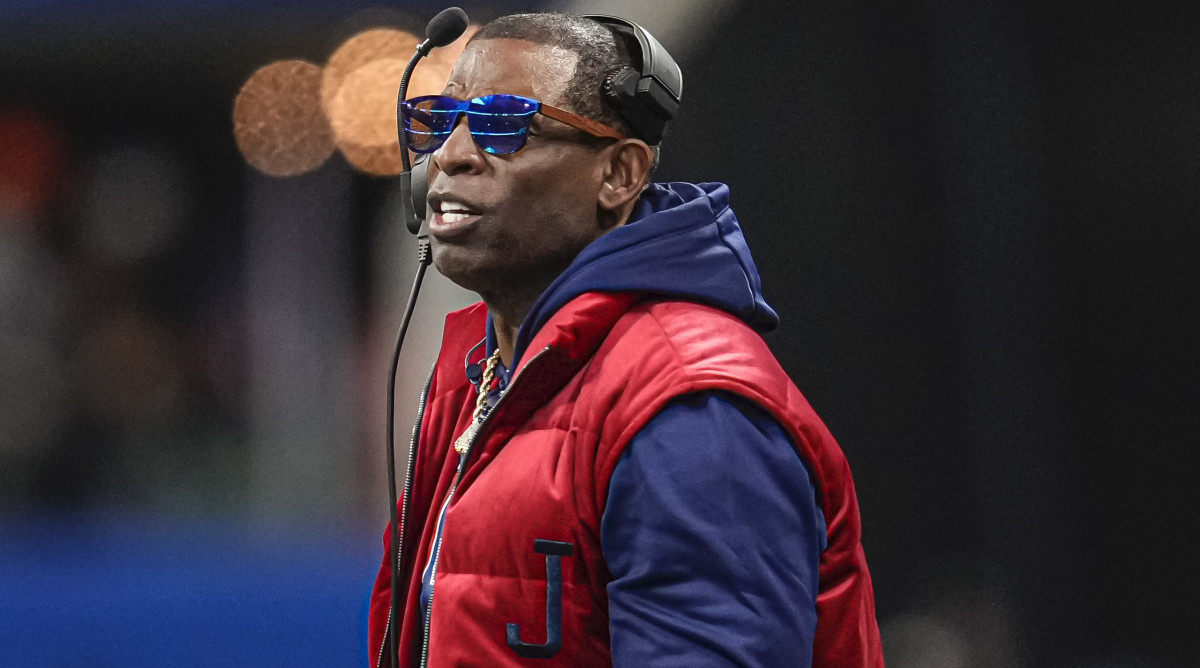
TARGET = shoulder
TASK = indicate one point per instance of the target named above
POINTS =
(692, 344)
(661, 350)
(677, 319)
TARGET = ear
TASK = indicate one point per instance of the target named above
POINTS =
(624, 176)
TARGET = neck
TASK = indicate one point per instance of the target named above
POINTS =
(508, 312)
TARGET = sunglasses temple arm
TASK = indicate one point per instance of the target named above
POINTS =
(580, 123)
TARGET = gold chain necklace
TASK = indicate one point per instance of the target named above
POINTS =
(463, 443)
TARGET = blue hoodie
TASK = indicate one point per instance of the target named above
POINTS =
(681, 241)
(711, 531)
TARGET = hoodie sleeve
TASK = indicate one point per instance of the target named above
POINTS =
(713, 536)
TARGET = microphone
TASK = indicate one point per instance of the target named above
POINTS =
(447, 26)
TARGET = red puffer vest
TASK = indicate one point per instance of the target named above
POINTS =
(520, 576)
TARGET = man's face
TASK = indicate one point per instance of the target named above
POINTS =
(529, 213)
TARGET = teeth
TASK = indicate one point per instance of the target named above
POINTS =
(453, 216)
(448, 207)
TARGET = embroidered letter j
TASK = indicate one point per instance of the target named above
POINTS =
(554, 552)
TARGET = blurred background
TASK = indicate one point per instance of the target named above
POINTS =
(978, 219)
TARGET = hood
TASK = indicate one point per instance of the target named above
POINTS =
(682, 241)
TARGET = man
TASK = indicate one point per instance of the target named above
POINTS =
(611, 467)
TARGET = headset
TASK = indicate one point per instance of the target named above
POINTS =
(645, 95)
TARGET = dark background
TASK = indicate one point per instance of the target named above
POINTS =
(978, 221)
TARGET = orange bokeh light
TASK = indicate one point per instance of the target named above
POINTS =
(359, 92)
(291, 115)
(278, 122)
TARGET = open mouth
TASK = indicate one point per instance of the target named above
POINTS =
(451, 216)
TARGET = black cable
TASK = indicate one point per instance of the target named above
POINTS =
(447, 26)
(423, 263)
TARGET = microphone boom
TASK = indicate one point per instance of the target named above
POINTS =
(447, 26)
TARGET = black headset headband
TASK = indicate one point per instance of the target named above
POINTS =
(647, 98)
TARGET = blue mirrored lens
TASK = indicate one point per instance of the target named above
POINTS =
(428, 121)
(499, 124)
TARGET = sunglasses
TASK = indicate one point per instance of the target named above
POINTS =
(499, 124)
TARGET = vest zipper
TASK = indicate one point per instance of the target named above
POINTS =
(408, 482)
(462, 466)
(387, 630)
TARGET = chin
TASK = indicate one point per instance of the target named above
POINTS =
(456, 264)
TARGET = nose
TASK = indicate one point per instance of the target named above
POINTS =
(459, 154)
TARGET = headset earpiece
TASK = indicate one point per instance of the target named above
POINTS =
(646, 95)
(419, 185)
(621, 86)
